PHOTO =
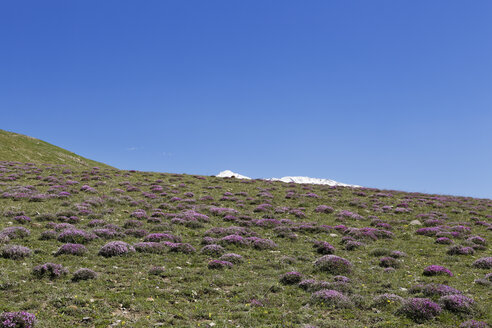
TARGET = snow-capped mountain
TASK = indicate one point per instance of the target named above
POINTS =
(230, 174)
(308, 180)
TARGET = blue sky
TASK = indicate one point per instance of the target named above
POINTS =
(387, 94)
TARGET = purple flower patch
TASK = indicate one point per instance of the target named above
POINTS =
(19, 319)
(436, 270)
(419, 309)
(181, 248)
(213, 249)
(84, 274)
(434, 289)
(474, 324)
(15, 252)
(324, 209)
(72, 249)
(50, 270)
(22, 219)
(232, 257)
(483, 263)
(76, 236)
(333, 264)
(444, 241)
(149, 247)
(324, 248)
(233, 240)
(331, 298)
(261, 244)
(158, 237)
(460, 250)
(116, 248)
(457, 303)
(291, 278)
(15, 232)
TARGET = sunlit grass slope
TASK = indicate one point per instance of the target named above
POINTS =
(21, 148)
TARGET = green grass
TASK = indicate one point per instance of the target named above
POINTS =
(191, 295)
(21, 148)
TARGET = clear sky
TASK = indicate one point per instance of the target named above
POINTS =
(388, 94)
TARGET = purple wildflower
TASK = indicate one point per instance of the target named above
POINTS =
(430, 231)
(434, 289)
(139, 233)
(15, 252)
(323, 247)
(291, 278)
(139, 214)
(324, 209)
(50, 270)
(352, 245)
(84, 274)
(96, 223)
(341, 279)
(181, 248)
(436, 270)
(15, 232)
(71, 249)
(157, 271)
(116, 248)
(149, 247)
(233, 240)
(132, 224)
(259, 243)
(444, 241)
(22, 219)
(483, 263)
(460, 250)
(213, 249)
(477, 240)
(76, 236)
(457, 303)
(48, 235)
(419, 309)
(222, 211)
(333, 264)
(342, 215)
(474, 324)
(158, 237)
(331, 298)
(232, 257)
(19, 319)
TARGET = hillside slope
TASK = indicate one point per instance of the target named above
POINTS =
(21, 148)
(114, 248)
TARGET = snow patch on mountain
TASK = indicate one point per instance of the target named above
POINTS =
(305, 180)
(309, 180)
(230, 174)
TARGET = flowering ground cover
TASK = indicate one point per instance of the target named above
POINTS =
(100, 247)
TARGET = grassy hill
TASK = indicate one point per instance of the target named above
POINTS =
(21, 148)
(84, 247)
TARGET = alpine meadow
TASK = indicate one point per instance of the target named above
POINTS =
(94, 246)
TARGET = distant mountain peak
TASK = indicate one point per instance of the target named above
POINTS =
(309, 180)
(230, 174)
(301, 180)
